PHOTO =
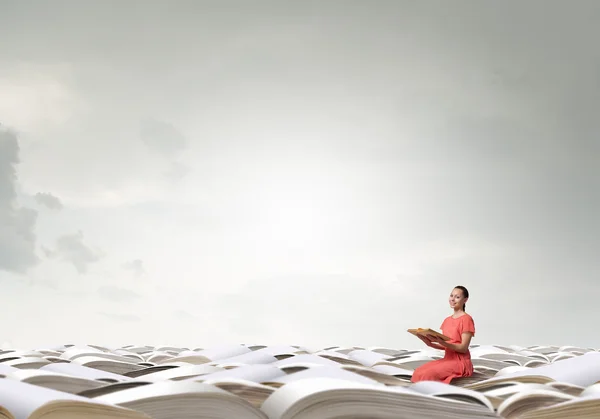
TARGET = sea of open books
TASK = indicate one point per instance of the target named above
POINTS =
(257, 381)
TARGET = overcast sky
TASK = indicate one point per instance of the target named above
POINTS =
(314, 173)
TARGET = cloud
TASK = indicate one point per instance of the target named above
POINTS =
(48, 200)
(184, 315)
(162, 137)
(72, 249)
(165, 139)
(121, 317)
(339, 302)
(137, 266)
(411, 152)
(37, 95)
(17, 224)
(176, 171)
(117, 294)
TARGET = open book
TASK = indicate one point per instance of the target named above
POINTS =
(427, 332)
(312, 393)
(329, 398)
(580, 371)
(183, 399)
(19, 400)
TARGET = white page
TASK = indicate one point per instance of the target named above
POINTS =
(22, 353)
(221, 352)
(326, 371)
(7, 369)
(366, 358)
(76, 351)
(255, 357)
(161, 389)
(22, 361)
(517, 387)
(187, 352)
(438, 389)
(582, 370)
(20, 374)
(332, 354)
(21, 399)
(593, 390)
(83, 360)
(515, 398)
(392, 370)
(278, 350)
(183, 371)
(486, 349)
(305, 358)
(77, 370)
(507, 371)
(256, 373)
(283, 398)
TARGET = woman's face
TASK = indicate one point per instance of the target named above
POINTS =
(457, 299)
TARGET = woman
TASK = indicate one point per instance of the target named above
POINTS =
(460, 328)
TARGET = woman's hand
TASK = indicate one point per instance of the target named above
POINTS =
(431, 342)
(461, 347)
(425, 340)
(439, 341)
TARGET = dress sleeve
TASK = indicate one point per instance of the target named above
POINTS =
(467, 325)
(443, 324)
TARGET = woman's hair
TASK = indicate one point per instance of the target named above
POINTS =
(465, 293)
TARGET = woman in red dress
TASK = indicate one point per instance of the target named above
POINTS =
(460, 328)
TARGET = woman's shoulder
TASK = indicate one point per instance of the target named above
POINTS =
(458, 320)
(463, 317)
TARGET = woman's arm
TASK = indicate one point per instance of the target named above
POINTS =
(461, 347)
(431, 344)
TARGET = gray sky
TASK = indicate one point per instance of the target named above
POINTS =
(318, 173)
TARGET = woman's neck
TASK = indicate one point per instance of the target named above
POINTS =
(458, 312)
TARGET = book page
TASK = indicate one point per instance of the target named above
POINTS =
(5, 414)
(22, 399)
(366, 358)
(223, 352)
(256, 373)
(27, 361)
(313, 391)
(581, 371)
(305, 359)
(77, 351)
(284, 398)
(161, 389)
(254, 357)
(593, 390)
(89, 360)
(507, 371)
(6, 369)
(325, 372)
(393, 370)
(83, 371)
(590, 400)
(276, 350)
(528, 398)
(437, 389)
(23, 375)
(184, 371)
(111, 388)
(252, 392)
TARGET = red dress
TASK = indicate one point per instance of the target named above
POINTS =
(453, 364)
